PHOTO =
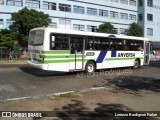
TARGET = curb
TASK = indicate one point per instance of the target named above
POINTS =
(56, 94)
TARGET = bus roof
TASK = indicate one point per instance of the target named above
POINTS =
(96, 34)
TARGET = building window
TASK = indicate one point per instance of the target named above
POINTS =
(78, 9)
(14, 3)
(78, 27)
(33, 4)
(53, 25)
(122, 31)
(113, 14)
(9, 23)
(65, 21)
(132, 17)
(140, 3)
(49, 5)
(140, 17)
(103, 13)
(91, 11)
(133, 2)
(149, 31)
(1, 23)
(91, 28)
(124, 1)
(65, 7)
(1, 2)
(150, 3)
(64, 24)
(124, 16)
(149, 17)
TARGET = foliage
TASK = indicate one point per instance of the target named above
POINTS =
(134, 30)
(16, 50)
(27, 19)
(7, 38)
(106, 28)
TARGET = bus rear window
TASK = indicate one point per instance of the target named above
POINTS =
(36, 37)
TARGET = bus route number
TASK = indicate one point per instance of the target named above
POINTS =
(90, 54)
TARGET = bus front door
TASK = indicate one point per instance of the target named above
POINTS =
(146, 53)
(77, 50)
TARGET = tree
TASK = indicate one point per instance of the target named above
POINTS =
(134, 30)
(106, 28)
(7, 38)
(27, 19)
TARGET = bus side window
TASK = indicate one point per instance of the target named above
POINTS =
(116, 44)
(60, 42)
(129, 45)
(126, 48)
(90, 43)
(138, 45)
(52, 42)
(97, 43)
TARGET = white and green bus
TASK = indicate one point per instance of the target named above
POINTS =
(66, 50)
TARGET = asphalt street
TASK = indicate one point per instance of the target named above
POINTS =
(23, 81)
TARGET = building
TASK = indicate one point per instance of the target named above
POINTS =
(86, 15)
(149, 19)
(83, 15)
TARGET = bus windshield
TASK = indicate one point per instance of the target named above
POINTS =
(36, 37)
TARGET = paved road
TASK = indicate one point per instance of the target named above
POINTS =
(23, 80)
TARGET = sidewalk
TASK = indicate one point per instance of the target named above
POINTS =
(13, 61)
(89, 105)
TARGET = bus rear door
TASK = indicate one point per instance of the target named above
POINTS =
(146, 53)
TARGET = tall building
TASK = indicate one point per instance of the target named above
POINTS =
(86, 15)
(83, 15)
(149, 18)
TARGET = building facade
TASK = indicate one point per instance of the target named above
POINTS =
(149, 18)
(86, 15)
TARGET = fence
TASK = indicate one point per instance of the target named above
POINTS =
(15, 54)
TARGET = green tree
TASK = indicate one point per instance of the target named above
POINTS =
(26, 19)
(106, 28)
(7, 38)
(134, 30)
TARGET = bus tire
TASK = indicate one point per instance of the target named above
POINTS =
(136, 64)
(90, 67)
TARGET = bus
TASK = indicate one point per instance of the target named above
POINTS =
(67, 50)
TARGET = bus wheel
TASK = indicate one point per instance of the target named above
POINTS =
(90, 67)
(136, 64)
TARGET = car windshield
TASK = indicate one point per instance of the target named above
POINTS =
(36, 37)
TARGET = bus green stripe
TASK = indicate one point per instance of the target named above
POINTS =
(61, 56)
(64, 61)
(56, 52)
(130, 58)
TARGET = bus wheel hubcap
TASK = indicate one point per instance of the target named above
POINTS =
(90, 68)
(136, 64)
